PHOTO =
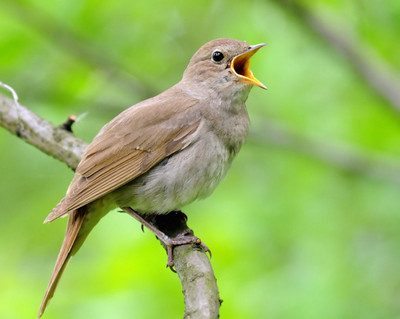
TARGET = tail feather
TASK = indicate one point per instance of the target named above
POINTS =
(68, 248)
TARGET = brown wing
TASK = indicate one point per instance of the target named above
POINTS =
(129, 146)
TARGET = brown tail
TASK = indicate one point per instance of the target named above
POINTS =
(69, 247)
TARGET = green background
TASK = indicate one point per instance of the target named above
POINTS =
(307, 223)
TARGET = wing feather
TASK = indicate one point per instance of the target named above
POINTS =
(127, 147)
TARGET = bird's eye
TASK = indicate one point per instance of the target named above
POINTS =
(217, 56)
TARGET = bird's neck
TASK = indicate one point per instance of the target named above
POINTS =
(228, 96)
(226, 113)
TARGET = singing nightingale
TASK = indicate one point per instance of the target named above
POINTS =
(164, 152)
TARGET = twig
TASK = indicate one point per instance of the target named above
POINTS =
(81, 48)
(348, 158)
(380, 76)
(192, 265)
(10, 89)
(40, 133)
(67, 125)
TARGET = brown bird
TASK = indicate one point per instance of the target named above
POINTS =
(164, 152)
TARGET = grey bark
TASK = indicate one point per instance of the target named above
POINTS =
(50, 139)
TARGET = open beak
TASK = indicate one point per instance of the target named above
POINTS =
(241, 66)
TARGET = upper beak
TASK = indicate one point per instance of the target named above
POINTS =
(241, 66)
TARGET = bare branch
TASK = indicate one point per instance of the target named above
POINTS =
(380, 76)
(196, 271)
(40, 133)
(81, 48)
(343, 157)
(203, 301)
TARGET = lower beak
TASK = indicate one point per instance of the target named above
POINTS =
(241, 66)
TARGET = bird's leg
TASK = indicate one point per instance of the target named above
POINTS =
(170, 229)
(149, 218)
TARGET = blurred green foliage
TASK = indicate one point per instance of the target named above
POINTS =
(292, 236)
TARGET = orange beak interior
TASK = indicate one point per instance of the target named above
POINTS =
(241, 66)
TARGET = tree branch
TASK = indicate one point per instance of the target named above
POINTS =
(36, 131)
(192, 265)
(343, 157)
(81, 48)
(374, 71)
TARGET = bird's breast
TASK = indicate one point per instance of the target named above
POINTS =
(179, 179)
(193, 172)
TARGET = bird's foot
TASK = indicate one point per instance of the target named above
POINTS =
(185, 238)
(175, 225)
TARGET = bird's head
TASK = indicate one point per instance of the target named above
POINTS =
(223, 64)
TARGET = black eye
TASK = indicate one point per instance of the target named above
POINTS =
(217, 56)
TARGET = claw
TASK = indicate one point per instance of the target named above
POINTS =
(183, 238)
(170, 262)
(205, 248)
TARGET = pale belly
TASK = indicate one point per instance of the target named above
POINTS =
(190, 174)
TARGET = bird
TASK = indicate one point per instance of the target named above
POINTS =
(164, 152)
